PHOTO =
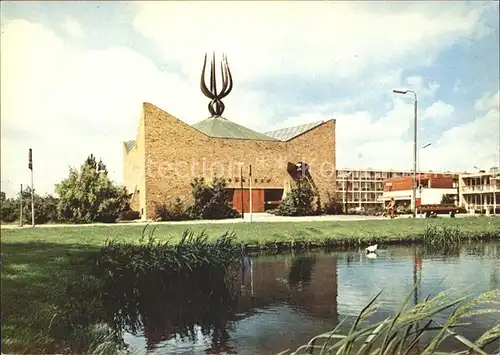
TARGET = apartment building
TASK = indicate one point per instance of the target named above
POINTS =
(432, 188)
(480, 192)
(364, 188)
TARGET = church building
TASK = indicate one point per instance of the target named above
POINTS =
(168, 154)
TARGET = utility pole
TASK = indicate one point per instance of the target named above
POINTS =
(414, 197)
(242, 197)
(250, 178)
(420, 177)
(21, 208)
(30, 166)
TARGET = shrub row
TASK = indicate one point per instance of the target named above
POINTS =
(211, 201)
(86, 195)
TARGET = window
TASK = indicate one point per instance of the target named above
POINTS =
(273, 194)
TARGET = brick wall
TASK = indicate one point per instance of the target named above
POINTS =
(317, 148)
(175, 153)
(442, 182)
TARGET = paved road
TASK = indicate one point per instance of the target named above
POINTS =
(256, 217)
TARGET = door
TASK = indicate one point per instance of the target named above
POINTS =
(243, 197)
(241, 200)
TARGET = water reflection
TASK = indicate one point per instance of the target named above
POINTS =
(301, 270)
(184, 317)
(283, 300)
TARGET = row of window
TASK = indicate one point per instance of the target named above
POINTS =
(372, 175)
(361, 187)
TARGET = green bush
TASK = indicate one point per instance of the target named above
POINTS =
(9, 210)
(88, 195)
(333, 205)
(130, 215)
(45, 208)
(211, 201)
(299, 201)
(176, 211)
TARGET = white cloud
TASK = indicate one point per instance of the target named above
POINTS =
(343, 39)
(439, 109)
(74, 28)
(364, 140)
(422, 89)
(473, 143)
(488, 101)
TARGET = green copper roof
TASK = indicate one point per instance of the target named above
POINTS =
(220, 127)
(129, 145)
(288, 133)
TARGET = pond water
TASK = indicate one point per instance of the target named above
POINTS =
(286, 299)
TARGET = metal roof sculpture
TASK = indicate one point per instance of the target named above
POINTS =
(216, 106)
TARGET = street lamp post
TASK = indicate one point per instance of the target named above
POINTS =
(414, 197)
(420, 175)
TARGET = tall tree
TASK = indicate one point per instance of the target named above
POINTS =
(88, 195)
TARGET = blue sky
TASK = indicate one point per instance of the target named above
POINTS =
(74, 75)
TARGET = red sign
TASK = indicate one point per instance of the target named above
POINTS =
(418, 201)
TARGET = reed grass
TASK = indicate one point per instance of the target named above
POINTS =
(405, 331)
(163, 264)
(179, 278)
(436, 235)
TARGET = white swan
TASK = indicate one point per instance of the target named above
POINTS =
(371, 248)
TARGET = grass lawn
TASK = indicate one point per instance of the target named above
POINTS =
(37, 264)
(253, 233)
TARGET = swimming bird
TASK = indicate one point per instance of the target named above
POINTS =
(371, 248)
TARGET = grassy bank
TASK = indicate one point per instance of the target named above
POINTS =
(39, 263)
(260, 233)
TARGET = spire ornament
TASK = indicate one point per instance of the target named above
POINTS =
(216, 106)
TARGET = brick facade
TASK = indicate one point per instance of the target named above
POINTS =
(169, 153)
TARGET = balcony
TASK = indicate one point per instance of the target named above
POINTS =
(478, 189)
